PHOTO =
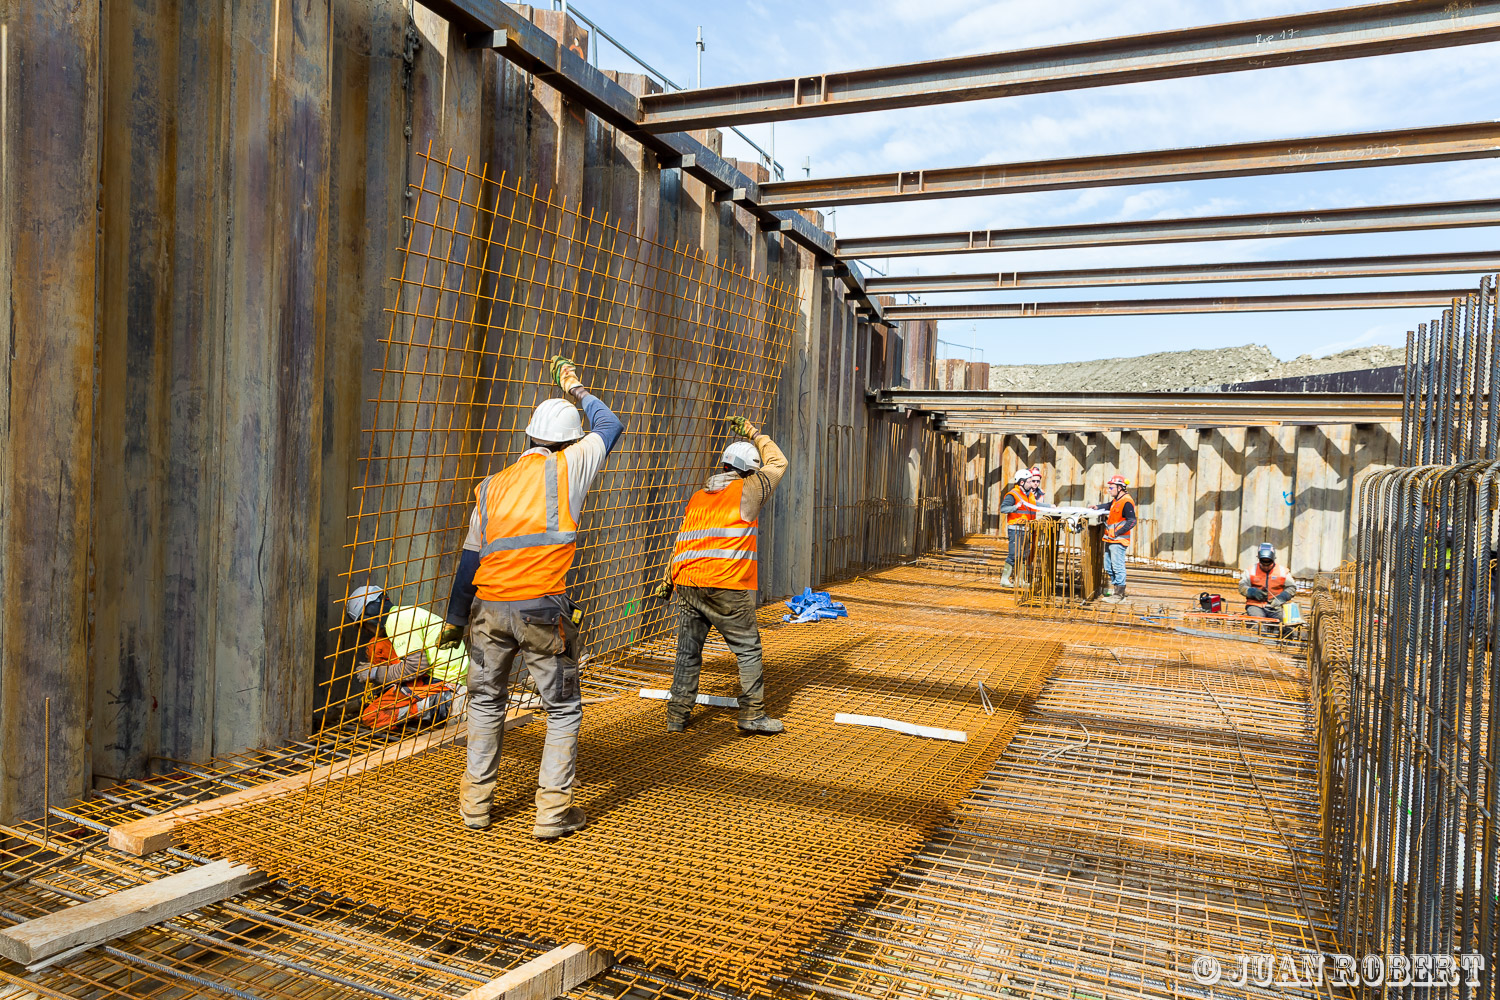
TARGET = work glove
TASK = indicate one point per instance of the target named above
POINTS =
(565, 374)
(1255, 594)
(664, 591)
(743, 427)
(1280, 599)
(450, 637)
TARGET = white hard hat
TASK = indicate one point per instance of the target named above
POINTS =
(741, 455)
(555, 421)
(1022, 476)
(360, 599)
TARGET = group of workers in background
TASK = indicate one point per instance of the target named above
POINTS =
(509, 595)
(1267, 585)
(1023, 502)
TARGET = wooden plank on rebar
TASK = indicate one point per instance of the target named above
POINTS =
(549, 975)
(119, 913)
(157, 833)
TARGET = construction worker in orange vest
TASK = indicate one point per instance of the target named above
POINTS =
(1019, 506)
(1267, 585)
(1118, 524)
(714, 572)
(510, 590)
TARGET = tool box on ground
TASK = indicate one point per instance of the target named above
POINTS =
(813, 605)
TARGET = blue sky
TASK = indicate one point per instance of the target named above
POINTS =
(773, 38)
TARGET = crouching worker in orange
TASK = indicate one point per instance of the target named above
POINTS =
(714, 571)
(510, 589)
(1267, 585)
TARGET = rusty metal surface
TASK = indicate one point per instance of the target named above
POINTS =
(1158, 803)
(1078, 863)
(1404, 655)
(1470, 140)
(1284, 40)
(1306, 301)
(710, 853)
(492, 282)
(1175, 274)
(1312, 222)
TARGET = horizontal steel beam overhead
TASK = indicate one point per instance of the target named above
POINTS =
(1175, 274)
(1037, 412)
(1386, 218)
(1473, 140)
(1106, 422)
(1322, 36)
(1414, 299)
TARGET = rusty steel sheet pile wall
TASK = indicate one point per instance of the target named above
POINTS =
(1404, 658)
(217, 194)
(1204, 496)
(710, 853)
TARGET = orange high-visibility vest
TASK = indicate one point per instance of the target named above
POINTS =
(1022, 513)
(1116, 516)
(526, 530)
(1272, 583)
(716, 546)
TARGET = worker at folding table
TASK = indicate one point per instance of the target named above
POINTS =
(1119, 522)
(714, 571)
(510, 591)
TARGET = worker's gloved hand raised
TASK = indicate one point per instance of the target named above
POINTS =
(1255, 594)
(450, 637)
(565, 374)
(663, 591)
(743, 427)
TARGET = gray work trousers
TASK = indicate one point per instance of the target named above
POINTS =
(732, 612)
(541, 632)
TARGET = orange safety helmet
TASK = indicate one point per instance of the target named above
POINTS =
(1118, 480)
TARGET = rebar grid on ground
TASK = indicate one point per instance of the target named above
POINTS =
(711, 853)
(493, 281)
(1147, 812)
(1085, 735)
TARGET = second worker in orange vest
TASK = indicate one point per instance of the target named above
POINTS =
(714, 572)
(511, 591)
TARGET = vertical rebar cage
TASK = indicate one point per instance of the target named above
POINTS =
(1404, 656)
(494, 281)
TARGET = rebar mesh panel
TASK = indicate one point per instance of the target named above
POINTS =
(1157, 804)
(493, 282)
(711, 853)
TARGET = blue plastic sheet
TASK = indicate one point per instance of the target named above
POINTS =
(813, 606)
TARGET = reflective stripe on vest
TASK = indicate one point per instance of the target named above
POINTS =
(716, 546)
(1021, 514)
(1117, 516)
(526, 530)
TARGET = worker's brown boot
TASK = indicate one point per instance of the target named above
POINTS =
(474, 799)
(556, 815)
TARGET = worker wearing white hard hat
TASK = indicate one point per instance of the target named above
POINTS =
(714, 569)
(510, 589)
(1118, 524)
(1018, 507)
